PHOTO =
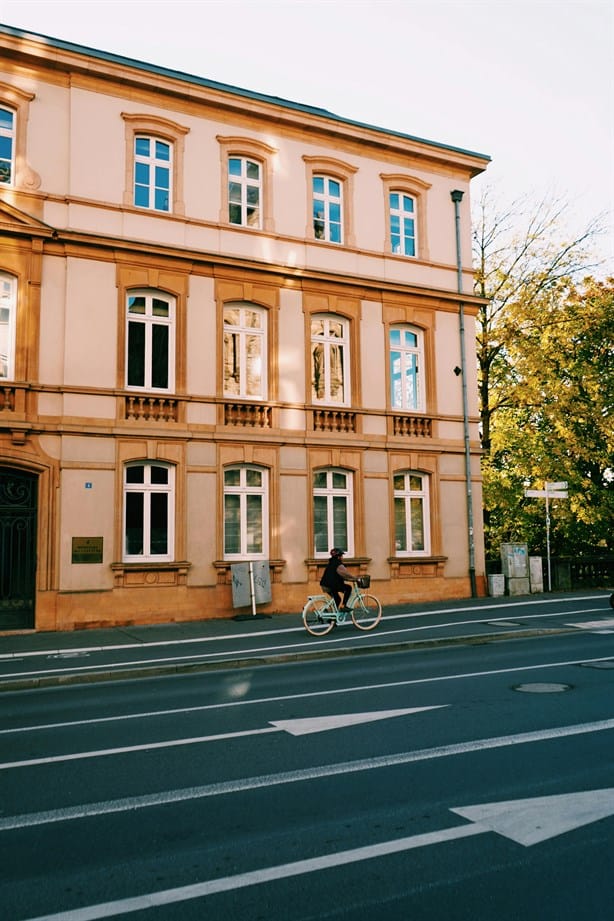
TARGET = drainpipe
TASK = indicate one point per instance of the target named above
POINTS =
(456, 197)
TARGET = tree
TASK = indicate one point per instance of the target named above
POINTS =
(545, 354)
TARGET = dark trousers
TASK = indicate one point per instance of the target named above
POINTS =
(347, 591)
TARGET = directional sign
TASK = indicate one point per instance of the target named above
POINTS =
(535, 493)
(560, 485)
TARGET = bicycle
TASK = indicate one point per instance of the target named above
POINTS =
(321, 614)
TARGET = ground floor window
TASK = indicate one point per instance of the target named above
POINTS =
(245, 512)
(148, 512)
(332, 511)
(411, 532)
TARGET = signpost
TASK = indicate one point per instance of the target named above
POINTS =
(556, 490)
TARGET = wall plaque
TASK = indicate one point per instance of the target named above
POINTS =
(87, 550)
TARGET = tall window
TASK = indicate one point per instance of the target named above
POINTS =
(244, 192)
(327, 209)
(8, 304)
(406, 368)
(244, 352)
(7, 145)
(245, 512)
(402, 223)
(329, 360)
(148, 512)
(332, 511)
(152, 173)
(150, 341)
(411, 530)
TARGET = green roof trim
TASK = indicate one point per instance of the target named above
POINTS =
(224, 87)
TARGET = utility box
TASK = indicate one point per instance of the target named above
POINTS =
(496, 585)
(536, 574)
(515, 561)
(518, 586)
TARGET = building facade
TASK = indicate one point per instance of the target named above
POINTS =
(229, 331)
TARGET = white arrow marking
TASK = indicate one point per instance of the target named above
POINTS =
(582, 808)
(529, 821)
(301, 727)
(294, 727)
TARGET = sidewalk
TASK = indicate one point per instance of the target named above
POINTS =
(31, 660)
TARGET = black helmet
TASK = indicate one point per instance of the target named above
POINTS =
(337, 551)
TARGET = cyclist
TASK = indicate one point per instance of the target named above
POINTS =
(335, 578)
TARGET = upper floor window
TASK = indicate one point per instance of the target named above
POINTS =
(155, 148)
(152, 173)
(332, 511)
(148, 512)
(402, 223)
(7, 145)
(150, 340)
(330, 374)
(330, 185)
(406, 212)
(406, 368)
(411, 513)
(327, 209)
(245, 512)
(245, 351)
(8, 310)
(244, 192)
(247, 182)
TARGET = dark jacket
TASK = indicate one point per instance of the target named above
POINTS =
(330, 577)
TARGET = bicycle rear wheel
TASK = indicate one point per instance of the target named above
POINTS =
(366, 612)
(318, 618)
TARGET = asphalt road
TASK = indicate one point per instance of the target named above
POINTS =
(460, 781)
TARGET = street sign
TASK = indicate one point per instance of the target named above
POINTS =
(535, 493)
(558, 494)
(561, 485)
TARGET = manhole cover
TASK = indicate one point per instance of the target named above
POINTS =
(542, 688)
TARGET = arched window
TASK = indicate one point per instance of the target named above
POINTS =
(406, 354)
(411, 513)
(333, 520)
(8, 310)
(149, 512)
(245, 351)
(246, 513)
(330, 367)
(150, 338)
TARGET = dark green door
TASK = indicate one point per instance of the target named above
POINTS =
(18, 505)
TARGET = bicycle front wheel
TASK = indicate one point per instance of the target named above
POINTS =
(318, 618)
(367, 612)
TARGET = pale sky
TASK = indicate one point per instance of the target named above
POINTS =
(528, 82)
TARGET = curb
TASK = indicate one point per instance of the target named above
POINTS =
(156, 671)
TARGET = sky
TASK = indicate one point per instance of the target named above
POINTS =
(528, 82)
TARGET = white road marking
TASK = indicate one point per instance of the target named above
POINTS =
(354, 689)
(526, 822)
(300, 629)
(224, 788)
(295, 727)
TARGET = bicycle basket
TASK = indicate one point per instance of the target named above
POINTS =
(363, 581)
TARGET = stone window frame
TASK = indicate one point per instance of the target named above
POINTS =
(18, 101)
(425, 494)
(344, 173)
(418, 190)
(154, 126)
(262, 153)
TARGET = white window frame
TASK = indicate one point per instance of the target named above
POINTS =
(329, 344)
(330, 492)
(8, 303)
(407, 244)
(407, 495)
(11, 134)
(406, 360)
(236, 347)
(153, 164)
(243, 490)
(148, 489)
(325, 201)
(149, 320)
(247, 184)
